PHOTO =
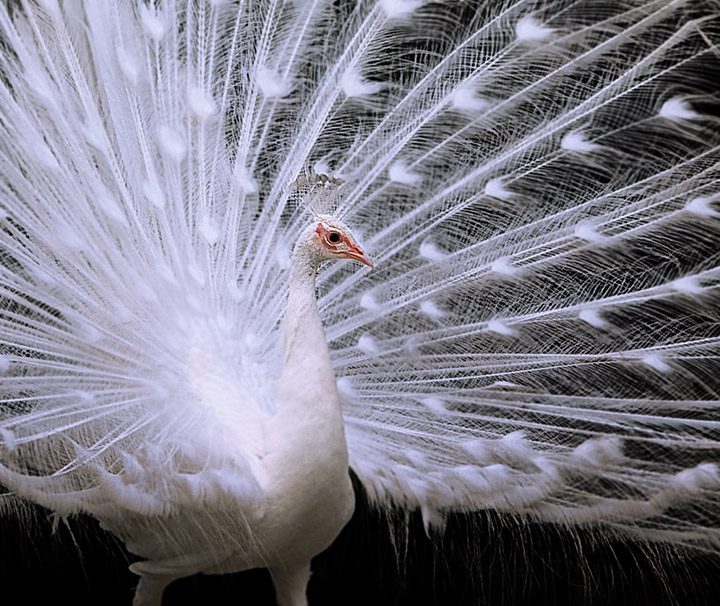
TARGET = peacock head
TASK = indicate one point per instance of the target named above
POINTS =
(329, 239)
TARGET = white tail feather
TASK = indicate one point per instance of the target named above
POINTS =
(539, 190)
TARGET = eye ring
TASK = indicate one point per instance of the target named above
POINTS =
(333, 237)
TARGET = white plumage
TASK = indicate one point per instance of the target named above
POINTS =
(537, 182)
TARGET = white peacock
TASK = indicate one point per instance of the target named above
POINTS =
(537, 183)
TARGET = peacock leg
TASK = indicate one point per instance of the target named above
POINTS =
(150, 590)
(291, 584)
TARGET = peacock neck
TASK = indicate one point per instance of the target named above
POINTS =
(308, 425)
(306, 359)
(302, 332)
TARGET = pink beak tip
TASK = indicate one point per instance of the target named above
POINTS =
(361, 257)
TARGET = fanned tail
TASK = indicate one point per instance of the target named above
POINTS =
(541, 334)
(131, 382)
(537, 183)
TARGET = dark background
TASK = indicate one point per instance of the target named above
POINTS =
(480, 559)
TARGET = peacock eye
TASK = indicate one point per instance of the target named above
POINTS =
(334, 237)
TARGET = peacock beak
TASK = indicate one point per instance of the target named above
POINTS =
(358, 255)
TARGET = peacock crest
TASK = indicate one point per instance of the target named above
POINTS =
(318, 192)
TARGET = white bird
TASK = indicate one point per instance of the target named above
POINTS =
(295, 459)
(538, 183)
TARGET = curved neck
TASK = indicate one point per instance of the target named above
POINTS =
(307, 386)
(302, 332)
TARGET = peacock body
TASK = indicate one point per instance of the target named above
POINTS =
(537, 183)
